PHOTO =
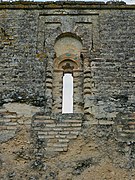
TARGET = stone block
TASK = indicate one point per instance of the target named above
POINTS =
(76, 125)
(74, 133)
(62, 125)
(57, 145)
(52, 133)
(11, 124)
(11, 128)
(64, 132)
(57, 129)
(54, 149)
(63, 140)
(60, 136)
(41, 136)
(105, 122)
(5, 120)
(3, 127)
(42, 133)
(40, 117)
(10, 116)
(72, 121)
(50, 125)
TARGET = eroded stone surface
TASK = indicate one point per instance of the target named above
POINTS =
(21, 109)
(37, 141)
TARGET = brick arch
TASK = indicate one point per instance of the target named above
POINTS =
(68, 63)
(67, 58)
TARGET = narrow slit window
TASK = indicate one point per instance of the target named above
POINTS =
(67, 98)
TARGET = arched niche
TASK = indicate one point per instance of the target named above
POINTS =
(67, 48)
(68, 43)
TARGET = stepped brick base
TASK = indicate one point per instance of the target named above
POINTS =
(57, 131)
(126, 127)
(8, 124)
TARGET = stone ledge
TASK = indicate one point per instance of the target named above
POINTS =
(65, 4)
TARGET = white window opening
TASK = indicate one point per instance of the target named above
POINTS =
(67, 101)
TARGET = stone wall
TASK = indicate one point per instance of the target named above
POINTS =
(97, 140)
(22, 73)
(109, 39)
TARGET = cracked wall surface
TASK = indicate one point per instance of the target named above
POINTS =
(38, 43)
